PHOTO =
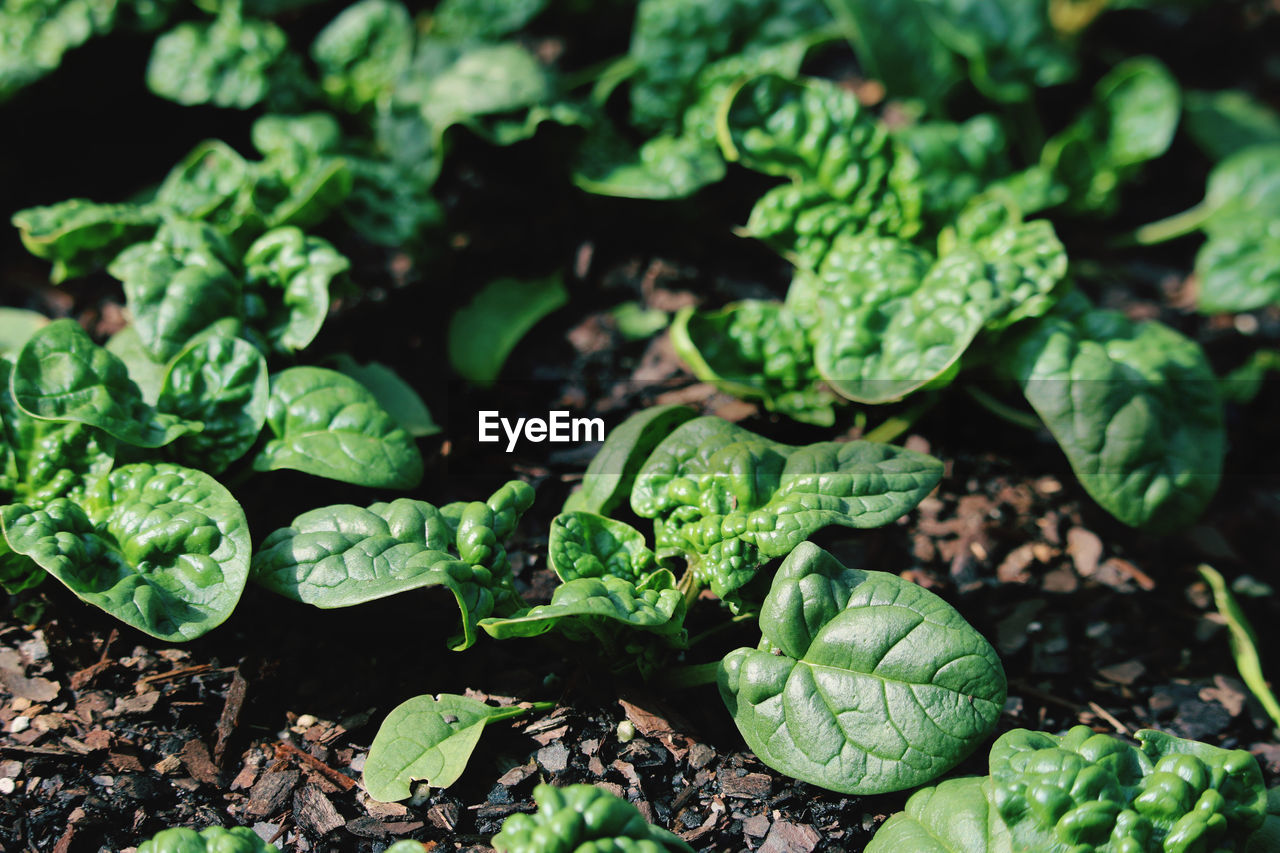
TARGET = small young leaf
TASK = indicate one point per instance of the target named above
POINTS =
(329, 425)
(220, 382)
(1244, 643)
(363, 51)
(482, 334)
(863, 683)
(427, 739)
(1135, 407)
(61, 375)
(80, 236)
(485, 79)
(230, 62)
(287, 277)
(162, 548)
(586, 545)
(608, 479)
(393, 394)
(593, 818)
(1222, 123)
(593, 609)
(952, 817)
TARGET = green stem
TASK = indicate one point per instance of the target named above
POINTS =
(1005, 412)
(895, 426)
(1167, 229)
(607, 76)
(693, 675)
(517, 711)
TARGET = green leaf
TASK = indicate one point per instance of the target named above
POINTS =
(363, 51)
(727, 500)
(1243, 191)
(1243, 384)
(583, 819)
(145, 371)
(214, 184)
(230, 62)
(220, 382)
(894, 43)
(863, 683)
(427, 739)
(17, 325)
(287, 278)
(593, 609)
(1225, 122)
(483, 333)
(586, 545)
(301, 179)
(957, 161)
(162, 548)
(1238, 271)
(953, 817)
(1244, 643)
(608, 480)
(485, 79)
(888, 326)
(215, 839)
(637, 323)
(756, 350)
(664, 167)
(1135, 407)
(484, 20)
(41, 460)
(392, 393)
(35, 35)
(80, 236)
(1092, 789)
(329, 425)
(61, 375)
(177, 284)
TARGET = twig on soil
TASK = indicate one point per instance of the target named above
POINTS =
(183, 672)
(288, 750)
(1102, 712)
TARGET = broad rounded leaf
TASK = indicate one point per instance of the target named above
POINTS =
(586, 545)
(952, 817)
(62, 375)
(1240, 271)
(427, 739)
(228, 62)
(483, 333)
(1135, 407)
(863, 682)
(608, 479)
(363, 51)
(392, 392)
(590, 607)
(160, 547)
(329, 425)
(220, 382)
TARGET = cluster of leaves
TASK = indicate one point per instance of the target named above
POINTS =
(1087, 791)
(238, 839)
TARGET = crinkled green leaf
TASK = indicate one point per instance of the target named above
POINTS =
(34, 35)
(583, 819)
(727, 500)
(41, 460)
(483, 333)
(485, 79)
(756, 349)
(674, 40)
(1135, 407)
(62, 375)
(392, 393)
(229, 62)
(329, 425)
(163, 548)
(484, 20)
(957, 161)
(287, 277)
(1225, 122)
(301, 179)
(895, 45)
(79, 236)
(215, 839)
(177, 284)
(586, 545)
(213, 183)
(427, 739)
(220, 382)
(608, 479)
(1132, 120)
(595, 608)
(1085, 788)
(863, 682)
(883, 335)
(952, 817)
(1240, 271)
(17, 325)
(363, 51)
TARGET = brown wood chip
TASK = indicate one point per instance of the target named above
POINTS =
(195, 757)
(271, 792)
(230, 717)
(750, 786)
(786, 837)
(313, 812)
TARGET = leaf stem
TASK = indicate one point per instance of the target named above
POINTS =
(1167, 229)
(895, 426)
(690, 586)
(514, 711)
(693, 675)
(1005, 412)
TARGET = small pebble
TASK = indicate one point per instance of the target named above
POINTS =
(626, 731)
(19, 724)
(7, 785)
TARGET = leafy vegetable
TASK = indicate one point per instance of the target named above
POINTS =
(35, 35)
(215, 839)
(329, 425)
(427, 738)
(393, 394)
(583, 819)
(586, 545)
(482, 334)
(1244, 643)
(1134, 406)
(287, 276)
(343, 555)
(1087, 791)
(80, 236)
(160, 547)
(727, 500)
(608, 480)
(863, 682)
(1222, 123)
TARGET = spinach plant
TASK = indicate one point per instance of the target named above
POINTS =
(1088, 791)
(580, 819)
